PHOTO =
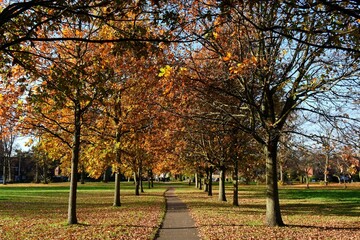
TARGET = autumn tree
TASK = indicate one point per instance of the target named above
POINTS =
(266, 75)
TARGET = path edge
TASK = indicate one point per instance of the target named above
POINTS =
(157, 233)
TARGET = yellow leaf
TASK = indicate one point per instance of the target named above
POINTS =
(227, 57)
(165, 71)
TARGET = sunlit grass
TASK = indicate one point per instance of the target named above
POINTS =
(317, 213)
(37, 211)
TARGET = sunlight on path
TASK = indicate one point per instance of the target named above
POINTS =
(178, 223)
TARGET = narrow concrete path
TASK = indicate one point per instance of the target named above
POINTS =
(177, 224)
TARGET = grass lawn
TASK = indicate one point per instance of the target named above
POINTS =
(38, 211)
(317, 213)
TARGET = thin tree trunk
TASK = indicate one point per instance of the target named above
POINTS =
(72, 219)
(9, 169)
(210, 193)
(222, 193)
(273, 214)
(196, 180)
(206, 180)
(45, 172)
(200, 183)
(37, 179)
(117, 202)
(4, 170)
(236, 184)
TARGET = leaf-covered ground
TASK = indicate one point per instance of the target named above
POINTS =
(40, 212)
(315, 213)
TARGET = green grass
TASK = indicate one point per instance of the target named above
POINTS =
(38, 211)
(317, 213)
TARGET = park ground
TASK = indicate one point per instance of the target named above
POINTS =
(38, 211)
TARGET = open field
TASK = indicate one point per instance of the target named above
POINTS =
(316, 213)
(37, 211)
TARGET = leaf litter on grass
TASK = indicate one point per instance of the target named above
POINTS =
(45, 218)
(314, 218)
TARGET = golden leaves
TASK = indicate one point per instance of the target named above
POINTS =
(227, 57)
(165, 71)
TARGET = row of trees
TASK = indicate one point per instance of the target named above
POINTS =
(177, 85)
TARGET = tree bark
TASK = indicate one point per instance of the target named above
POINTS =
(222, 193)
(72, 219)
(37, 180)
(210, 193)
(45, 170)
(117, 202)
(196, 180)
(200, 183)
(4, 171)
(236, 184)
(137, 184)
(273, 214)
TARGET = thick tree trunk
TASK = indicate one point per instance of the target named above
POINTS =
(222, 193)
(273, 214)
(117, 202)
(210, 193)
(236, 184)
(72, 219)
(137, 184)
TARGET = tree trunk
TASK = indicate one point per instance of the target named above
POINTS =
(196, 180)
(326, 172)
(117, 202)
(281, 173)
(9, 174)
(206, 181)
(45, 172)
(273, 214)
(200, 183)
(72, 219)
(4, 171)
(236, 184)
(137, 184)
(210, 193)
(140, 179)
(222, 193)
(37, 179)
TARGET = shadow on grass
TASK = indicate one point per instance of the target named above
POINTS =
(322, 209)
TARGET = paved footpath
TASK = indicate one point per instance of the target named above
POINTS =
(177, 224)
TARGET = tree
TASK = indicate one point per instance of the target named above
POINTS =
(62, 94)
(267, 75)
